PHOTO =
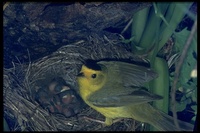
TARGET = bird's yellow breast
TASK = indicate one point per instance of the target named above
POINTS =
(85, 92)
(112, 112)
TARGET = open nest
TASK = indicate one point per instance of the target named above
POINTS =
(23, 80)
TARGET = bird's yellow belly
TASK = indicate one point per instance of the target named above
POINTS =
(128, 111)
(113, 112)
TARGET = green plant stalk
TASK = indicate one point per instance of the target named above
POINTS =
(160, 85)
(138, 26)
(149, 33)
(176, 18)
(167, 17)
(147, 39)
(139, 22)
(160, 28)
(160, 9)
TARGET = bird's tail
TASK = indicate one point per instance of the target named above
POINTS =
(166, 123)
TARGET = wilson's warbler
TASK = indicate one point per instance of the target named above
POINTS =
(115, 89)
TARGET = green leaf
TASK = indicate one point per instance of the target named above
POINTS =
(181, 106)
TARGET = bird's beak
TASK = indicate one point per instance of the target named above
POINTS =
(81, 74)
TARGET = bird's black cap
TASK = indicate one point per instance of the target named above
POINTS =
(92, 65)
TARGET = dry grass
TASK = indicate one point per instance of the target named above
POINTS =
(23, 80)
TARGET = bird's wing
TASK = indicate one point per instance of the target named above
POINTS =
(123, 85)
(121, 97)
(127, 73)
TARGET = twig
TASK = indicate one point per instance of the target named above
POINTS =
(126, 27)
(5, 5)
(177, 71)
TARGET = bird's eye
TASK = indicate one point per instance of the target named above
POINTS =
(94, 76)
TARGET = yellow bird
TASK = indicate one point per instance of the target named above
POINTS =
(115, 89)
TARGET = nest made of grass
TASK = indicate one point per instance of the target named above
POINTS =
(23, 80)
